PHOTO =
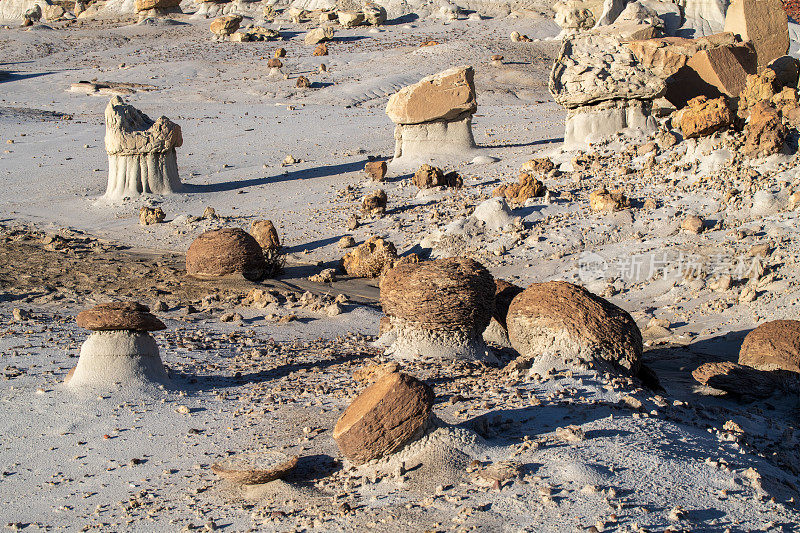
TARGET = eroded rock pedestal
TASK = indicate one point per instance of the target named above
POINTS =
(604, 89)
(120, 351)
(434, 116)
(141, 152)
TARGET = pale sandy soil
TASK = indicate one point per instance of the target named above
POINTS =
(129, 461)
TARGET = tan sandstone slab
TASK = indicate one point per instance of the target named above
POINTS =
(443, 96)
(762, 22)
(116, 316)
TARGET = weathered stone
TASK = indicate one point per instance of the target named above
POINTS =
(351, 20)
(374, 14)
(302, 82)
(605, 200)
(320, 50)
(376, 170)
(118, 316)
(141, 152)
(739, 380)
(773, 346)
(265, 234)
(245, 472)
(374, 203)
(518, 193)
(151, 215)
(596, 68)
(224, 252)
(388, 414)
(692, 224)
(255, 34)
(703, 116)
(762, 22)
(575, 15)
(541, 165)
(318, 35)
(429, 176)
(369, 259)
(438, 308)
(146, 5)
(225, 26)
(765, 131)
(274, 62)
(559, 320)
(725, 67)
(444, 96)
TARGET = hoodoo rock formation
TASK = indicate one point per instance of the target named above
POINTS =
(120, 350)
(550, 323)
(439, 308)
(141, 152)
(434, 116)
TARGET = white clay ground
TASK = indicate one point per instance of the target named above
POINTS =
(132, 461)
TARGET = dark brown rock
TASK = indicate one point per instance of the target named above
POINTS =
(561, 318)
(773, 346)
(739, 380)
(116, 316)
(444, 294)
(429, 176)
(376, 170)
(224, 252)
(387, 415)
(374, 203)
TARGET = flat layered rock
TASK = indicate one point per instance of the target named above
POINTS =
(114, 316)
(725, 67)
(595, 68)
(559, 318)
(224, 252)
(738, 380)
(388, 414)
(773, 346)
(255, 470)
(146, 5)
(448, 95)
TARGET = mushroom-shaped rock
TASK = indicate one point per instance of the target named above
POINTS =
(120, 350)
(388, 414)
(439, 309)
(497, 331)
(556, 321)
(434, 116)
(141, 152)
(369, 259)
(225, 252)
(773, 346)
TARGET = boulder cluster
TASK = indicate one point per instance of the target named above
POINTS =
(626, 69)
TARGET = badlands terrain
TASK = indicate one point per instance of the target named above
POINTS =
(694, 235)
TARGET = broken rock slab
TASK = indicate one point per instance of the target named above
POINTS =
(390, 413)
(763, 23)
(141, 152)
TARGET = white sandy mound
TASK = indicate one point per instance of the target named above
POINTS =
(111, 358)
